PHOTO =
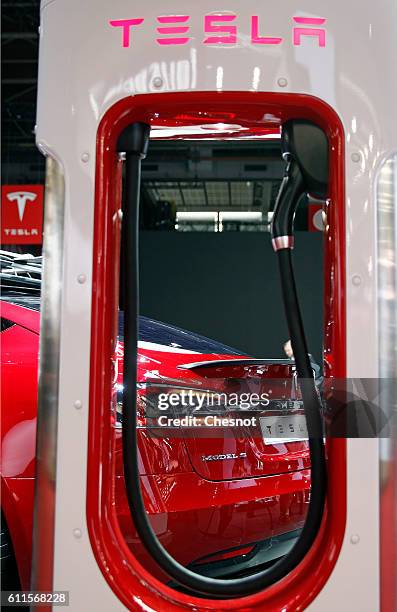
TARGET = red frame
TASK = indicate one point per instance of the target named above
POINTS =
(131, 583)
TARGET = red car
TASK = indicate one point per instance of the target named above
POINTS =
(239, 493)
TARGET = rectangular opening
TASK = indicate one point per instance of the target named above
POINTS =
(226, 120)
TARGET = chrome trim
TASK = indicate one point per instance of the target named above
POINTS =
(386, 209)
(47, 415)
(386, 202)
(223, 457)
(283, 242)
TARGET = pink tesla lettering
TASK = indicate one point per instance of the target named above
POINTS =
(209, 26)
(309, 21)
(126, 24)
(173, 29)
(220, 30)
(261, 40)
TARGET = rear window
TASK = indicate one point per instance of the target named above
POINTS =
(174, 337)
(153, 331)
(6, 324)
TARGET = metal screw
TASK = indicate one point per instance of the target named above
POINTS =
(77, 533)
(78, 404)
(85, 157)
(81, 279)
(355, 539)
(356, 280)
(157, 82)
(356, 157)
(282, 82)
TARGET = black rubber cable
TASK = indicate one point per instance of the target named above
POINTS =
(195, 583)
(290, 190)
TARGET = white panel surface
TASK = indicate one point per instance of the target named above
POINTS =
(83, 71)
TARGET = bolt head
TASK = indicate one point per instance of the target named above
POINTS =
(81, 279)
(282, 82)
(356, 157)
(85, 157)
(157, 82)
(355, 538)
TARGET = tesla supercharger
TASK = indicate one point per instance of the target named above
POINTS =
(239, 69)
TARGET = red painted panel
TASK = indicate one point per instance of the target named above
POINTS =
(213, 516)
(25, 317)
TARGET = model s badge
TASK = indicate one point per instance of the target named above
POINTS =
(223, 457)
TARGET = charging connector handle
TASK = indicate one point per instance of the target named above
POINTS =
(282, 226)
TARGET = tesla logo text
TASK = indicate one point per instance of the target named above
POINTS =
(21, 214)
(223, 457)
(21, 198)
(219, 30)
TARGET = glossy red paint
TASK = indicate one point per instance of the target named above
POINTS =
(160, 455)
(213, 516)
(19, 359)
(136, 587)
(184, 494)
(236, 514)
(25, 317)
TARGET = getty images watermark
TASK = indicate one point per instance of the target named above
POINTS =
(350, 408)
(192, 407)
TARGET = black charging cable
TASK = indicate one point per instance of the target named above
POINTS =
(134, 141)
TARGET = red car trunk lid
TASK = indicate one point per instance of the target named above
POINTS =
(236, 448)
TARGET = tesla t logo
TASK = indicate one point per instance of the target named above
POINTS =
(21, 214)
(21, 198)
(220, 29)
